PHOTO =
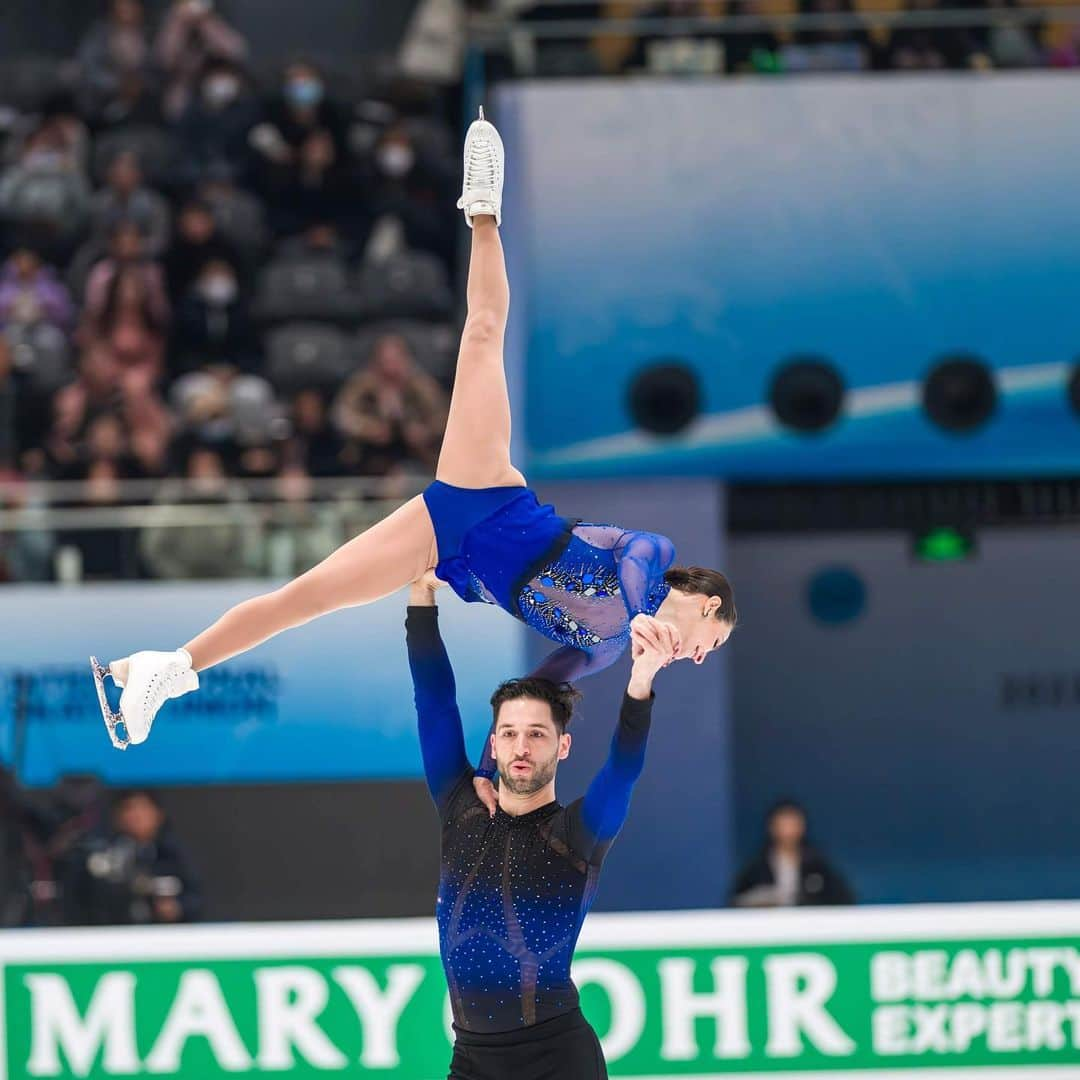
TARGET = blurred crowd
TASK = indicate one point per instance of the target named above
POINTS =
(204, 277)
(774, 49)
(80, 856)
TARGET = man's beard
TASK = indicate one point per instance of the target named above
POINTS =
(542, 774)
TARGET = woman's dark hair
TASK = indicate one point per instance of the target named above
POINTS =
(697, 580)
(112, 302)
(562, 697)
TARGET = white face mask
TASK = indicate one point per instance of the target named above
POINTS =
(218, 290)
(395, 159)
(221, 89)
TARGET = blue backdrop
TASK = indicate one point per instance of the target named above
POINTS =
(882, 223)
(331, 700)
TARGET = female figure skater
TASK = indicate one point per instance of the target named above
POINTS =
(591, 588)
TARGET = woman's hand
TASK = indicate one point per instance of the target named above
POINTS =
(485, 792)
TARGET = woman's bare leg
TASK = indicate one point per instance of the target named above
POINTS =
(370, 566)
(476, 446)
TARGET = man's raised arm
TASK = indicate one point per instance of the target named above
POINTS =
(442, 741)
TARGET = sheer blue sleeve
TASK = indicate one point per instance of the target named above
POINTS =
(607, 801)
(442, 740)
(641, 558)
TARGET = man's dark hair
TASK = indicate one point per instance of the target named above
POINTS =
(700, 581)
(562, 697)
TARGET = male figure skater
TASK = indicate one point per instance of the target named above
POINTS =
(515, 885)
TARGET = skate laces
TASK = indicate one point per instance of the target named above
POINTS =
(161, 686)
(482, 165)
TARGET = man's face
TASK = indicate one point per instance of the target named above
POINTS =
(527, 745)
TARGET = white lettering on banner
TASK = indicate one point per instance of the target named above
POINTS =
(1008, 1027)
(799, 987)
(379, 1011)
(109, 1022)
(290, 1001)
(199, 1009)
(681, 1005)
(1003, 1033)
(931, 975)
(627, 1003)
(889, 1025)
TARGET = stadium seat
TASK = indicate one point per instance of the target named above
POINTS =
(412, 285)
(313, 287)
(307, 354)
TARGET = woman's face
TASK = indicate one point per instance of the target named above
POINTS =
(700, 632)
(127, 12)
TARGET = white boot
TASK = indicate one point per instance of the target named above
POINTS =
(482, 189)
(149, 679)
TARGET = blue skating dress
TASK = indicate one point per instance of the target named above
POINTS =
(578, 584)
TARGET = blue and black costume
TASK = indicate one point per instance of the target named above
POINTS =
(578, 584)
(514, 891)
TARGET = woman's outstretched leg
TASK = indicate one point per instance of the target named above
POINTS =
(476, 446)
(372, 565)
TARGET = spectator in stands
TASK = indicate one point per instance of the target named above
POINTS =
(134, 104)
(789, 872)
(213, 325)
(15, 868)
(321, 238)
(174, 549)
(136, 872)
(933, 48)
(222, 407)
(127, 309)
(47, 186)
(391, 410)
(411, 182)
(96, 389)
(12, 391)
(315, 446)
(125, 197)
(31, 293)
(300, 109)
(239, 214)
(149, 423)
(197, 241)
(213, 130)
(314, 186)
(192, 34)
(114, 48)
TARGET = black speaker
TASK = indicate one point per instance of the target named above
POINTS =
(1074, 389)
(959, 394)
(807, 394)
(665, 397)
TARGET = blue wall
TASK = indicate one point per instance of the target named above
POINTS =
(882, 222)
(934, 735)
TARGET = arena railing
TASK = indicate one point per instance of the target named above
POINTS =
(283, 526)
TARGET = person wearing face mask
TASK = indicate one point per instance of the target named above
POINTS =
(46, 186)
(408, 184)
(214, 128)
(193, 33)
(212, 323)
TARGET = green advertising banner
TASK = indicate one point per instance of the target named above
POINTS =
(963, 990)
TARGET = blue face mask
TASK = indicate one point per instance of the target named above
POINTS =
(304, 92)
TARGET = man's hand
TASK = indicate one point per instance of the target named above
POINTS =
(655, 645)
(486, 793)
(645, 631)
(422, 591)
